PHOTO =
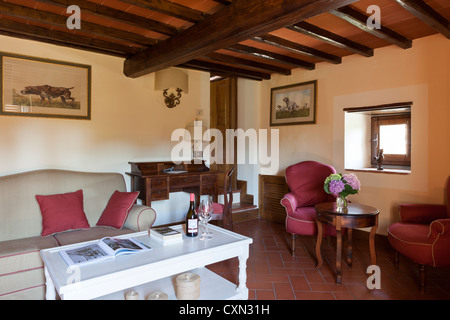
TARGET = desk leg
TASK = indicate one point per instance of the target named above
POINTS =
(319, 243)
(242, 288)
(50, 293)
(338, 250)
(373, 256)
(349, 247)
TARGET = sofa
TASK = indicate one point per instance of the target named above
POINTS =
(48, 208)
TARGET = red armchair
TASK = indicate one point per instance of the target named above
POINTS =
(305, 181)
(423, 235)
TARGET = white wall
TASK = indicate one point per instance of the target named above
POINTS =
(130, 122)
(248, 118)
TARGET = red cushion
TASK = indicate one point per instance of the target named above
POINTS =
(116, 211)
(303, 221)
(412, 241)
(62, 212)
(218, 211)
(306, 179)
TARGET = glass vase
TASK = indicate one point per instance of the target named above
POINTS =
(341, 204)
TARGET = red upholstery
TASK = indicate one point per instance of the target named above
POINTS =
(218, 211)
(305, 181)
(423, 242)
(423, 233)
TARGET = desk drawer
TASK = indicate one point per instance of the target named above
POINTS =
(184, 181)
(159, 183)
(208, 178)
(158, 194)
(208, 189)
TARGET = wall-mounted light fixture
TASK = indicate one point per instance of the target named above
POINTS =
(171, 78)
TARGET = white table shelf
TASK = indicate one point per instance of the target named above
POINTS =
(212, 287)
(145, 270)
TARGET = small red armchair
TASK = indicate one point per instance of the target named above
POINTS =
(423, 235)
(305, 181)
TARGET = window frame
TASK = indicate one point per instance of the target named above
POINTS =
(389, 119)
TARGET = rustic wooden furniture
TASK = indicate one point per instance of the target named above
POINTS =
(223, 211)
(271, 191)
(356, 216)
(155, 180)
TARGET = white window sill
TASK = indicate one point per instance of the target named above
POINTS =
(386, 171)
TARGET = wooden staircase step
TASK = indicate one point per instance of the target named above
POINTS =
(244, 211)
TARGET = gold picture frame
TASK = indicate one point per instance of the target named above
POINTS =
(293, 104)
(37, 87)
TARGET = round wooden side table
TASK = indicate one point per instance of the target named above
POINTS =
(356, 216)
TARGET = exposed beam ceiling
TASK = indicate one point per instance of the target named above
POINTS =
(243, 38)
(239, 21)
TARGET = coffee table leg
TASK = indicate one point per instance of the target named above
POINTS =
(50, 293)
(242, 288)
(319, 243)
(338, 250)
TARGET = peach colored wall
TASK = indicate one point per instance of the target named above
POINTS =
(130, 122)
(420, 74)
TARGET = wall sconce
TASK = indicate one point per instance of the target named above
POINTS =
(171, 78)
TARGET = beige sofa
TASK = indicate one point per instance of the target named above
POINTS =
(21, 268)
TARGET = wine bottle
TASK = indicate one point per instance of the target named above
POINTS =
(191, 219)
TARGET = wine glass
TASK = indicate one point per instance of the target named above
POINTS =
(206, 210)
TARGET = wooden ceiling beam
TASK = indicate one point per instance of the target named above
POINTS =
(239, 21)
(331, 38)
(298, 48)
(247, 63)
(428, 15)
(60, 20)
(272, 56)
(116, 15)
(169, 8)
(30, 32)
(359, 20)
(223, 69)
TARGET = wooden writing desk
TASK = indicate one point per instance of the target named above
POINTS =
(155, 181)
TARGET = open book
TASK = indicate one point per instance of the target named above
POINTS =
(105, 248)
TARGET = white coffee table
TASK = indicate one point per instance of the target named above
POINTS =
(150, 271)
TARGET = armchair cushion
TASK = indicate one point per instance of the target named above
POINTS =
(303, 221)
(426, 244)
(411, 239)
(422, 213)
(305, 181)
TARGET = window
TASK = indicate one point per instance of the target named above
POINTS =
(372, 128)
(392, 134)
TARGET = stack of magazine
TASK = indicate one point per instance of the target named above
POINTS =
(105, 248)
(167, 235)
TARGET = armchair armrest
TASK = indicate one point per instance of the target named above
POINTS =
(422, 213)
(289, 202)
(140, 218)
(439, 237)
(440, 227)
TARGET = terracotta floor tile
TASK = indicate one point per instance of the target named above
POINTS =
(273, 273)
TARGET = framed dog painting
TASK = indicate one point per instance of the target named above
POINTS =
(44, 88)
(293, 104)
